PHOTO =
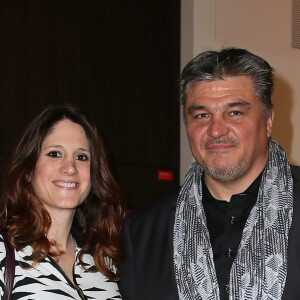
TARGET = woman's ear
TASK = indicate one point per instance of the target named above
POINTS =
(28, 177)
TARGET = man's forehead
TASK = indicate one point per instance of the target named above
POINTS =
(222, 87)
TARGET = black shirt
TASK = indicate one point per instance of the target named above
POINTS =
(225, 222)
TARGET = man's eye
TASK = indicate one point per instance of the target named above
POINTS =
(54, 154)
(82, 157)
(236, 113)
(201, 116)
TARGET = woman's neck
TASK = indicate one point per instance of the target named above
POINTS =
(59, 232)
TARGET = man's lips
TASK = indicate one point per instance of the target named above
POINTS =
(219, 147)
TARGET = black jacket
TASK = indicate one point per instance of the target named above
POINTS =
(147, 273)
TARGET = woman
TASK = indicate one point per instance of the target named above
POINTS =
(59, 176)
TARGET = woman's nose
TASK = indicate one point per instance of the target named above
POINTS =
(68, 167)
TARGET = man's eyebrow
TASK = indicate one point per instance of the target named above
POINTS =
(194, 107)
(239, 103)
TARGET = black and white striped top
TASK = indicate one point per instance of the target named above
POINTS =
(46, 281)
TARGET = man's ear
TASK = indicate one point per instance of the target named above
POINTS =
(269, 122)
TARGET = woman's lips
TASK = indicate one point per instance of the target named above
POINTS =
(66, 184)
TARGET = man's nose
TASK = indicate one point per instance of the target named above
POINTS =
(217, 127)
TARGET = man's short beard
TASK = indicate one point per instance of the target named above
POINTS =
(225, 173)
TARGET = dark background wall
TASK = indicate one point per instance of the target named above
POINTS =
(117, 60)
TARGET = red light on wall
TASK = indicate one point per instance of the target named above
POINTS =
(165, 175)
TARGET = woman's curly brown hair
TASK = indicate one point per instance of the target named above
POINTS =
(99, 217)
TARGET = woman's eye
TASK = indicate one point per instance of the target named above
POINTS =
(54, 154)
(82, 157)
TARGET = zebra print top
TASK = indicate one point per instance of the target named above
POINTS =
(46, 281)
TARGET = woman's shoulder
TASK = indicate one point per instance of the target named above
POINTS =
(2, 255)
(2, 247)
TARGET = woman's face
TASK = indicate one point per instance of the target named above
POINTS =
(62, 174)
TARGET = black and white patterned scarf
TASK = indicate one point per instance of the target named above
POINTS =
(260, 267)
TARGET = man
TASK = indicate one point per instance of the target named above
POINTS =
(232, 231)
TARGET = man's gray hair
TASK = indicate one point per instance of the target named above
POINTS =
(229, 62)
